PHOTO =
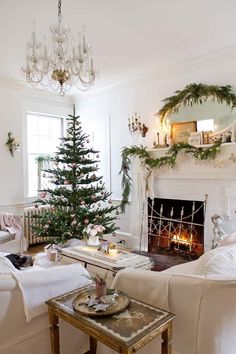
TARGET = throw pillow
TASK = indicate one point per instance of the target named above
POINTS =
(6, 266)
(228, 240)
(220, 260)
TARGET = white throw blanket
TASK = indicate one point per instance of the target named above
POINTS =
(43, 284)
(12, 224)
(131, 282)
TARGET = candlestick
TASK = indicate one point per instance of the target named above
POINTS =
(136, 126)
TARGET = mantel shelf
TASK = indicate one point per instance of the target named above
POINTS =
(203, 146)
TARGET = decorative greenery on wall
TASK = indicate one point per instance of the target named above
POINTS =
(196, 93)
(154, 163)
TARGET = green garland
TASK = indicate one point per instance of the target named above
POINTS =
(154, 163)
(196, 93)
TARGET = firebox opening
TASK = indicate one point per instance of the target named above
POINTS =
(176, 227)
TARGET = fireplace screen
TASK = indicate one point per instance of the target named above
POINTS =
(176, 226)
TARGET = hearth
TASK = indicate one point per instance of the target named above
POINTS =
(176, 227)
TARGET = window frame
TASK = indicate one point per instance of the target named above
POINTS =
(26, 153)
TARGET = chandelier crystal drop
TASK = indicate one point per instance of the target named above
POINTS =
(61, 64)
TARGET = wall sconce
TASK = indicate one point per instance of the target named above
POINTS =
(135, 125)
(13, 144)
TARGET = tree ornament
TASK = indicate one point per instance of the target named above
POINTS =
(113, 234)
(86, 221)
(88, 141)
(66, 181)
(44, 175)
(93, 176)
(99, 204)
(110, 201)
(82, 202)
(97, 155)
(43, 194)
(46, 226)
(36, 206)
(74, 222)
(93, 197)
(74, 164)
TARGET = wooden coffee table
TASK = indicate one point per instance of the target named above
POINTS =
(124, 332)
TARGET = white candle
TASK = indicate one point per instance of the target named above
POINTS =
(113, 252)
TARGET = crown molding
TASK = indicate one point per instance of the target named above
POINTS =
(34, 93)
(187, 66)
(37, 95)
(7, 82)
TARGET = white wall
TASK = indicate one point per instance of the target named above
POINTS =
(145, 98)
(14, 103)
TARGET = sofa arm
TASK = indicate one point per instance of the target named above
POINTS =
(143, 285)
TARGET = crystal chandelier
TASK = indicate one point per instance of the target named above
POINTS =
(62, 64)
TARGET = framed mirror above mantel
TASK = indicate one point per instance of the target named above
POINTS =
(206, 112)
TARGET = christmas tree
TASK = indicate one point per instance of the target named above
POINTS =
(77, 197)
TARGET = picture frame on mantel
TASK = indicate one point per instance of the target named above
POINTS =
(180, 132)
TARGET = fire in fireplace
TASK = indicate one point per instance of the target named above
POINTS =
(176, 227)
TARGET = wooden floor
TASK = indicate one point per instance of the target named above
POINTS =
(34, 249)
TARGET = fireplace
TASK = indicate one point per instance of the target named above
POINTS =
(189, 180)
(176, 227)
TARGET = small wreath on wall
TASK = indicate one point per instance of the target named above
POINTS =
(195, 93)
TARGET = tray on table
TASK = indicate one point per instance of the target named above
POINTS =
(119, 304)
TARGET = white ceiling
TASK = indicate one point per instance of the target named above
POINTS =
(129, 37)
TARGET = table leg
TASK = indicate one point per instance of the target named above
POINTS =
(54, 332)
(93, 345)
(166, 345)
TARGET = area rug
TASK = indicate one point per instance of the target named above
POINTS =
(163, 262)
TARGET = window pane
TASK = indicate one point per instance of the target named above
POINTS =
(33, 146)
(32, 125)
(54, 143)
(44, 145)
(55, 127)
(32, 185)
(43, 133)
(32, 165)
(44, 124)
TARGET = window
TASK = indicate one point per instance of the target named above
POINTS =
(43, 133)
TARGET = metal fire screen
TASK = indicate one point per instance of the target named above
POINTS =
(176, 226)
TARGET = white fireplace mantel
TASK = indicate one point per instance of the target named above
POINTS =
(189, 179)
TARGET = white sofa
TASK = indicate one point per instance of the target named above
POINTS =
(202, 295)
(23, 314)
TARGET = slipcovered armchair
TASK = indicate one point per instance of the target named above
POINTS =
(24, 326)
(202, 295)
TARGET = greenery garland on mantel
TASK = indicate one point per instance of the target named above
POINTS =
(191, 94)
(150, 163)
(196, 93)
